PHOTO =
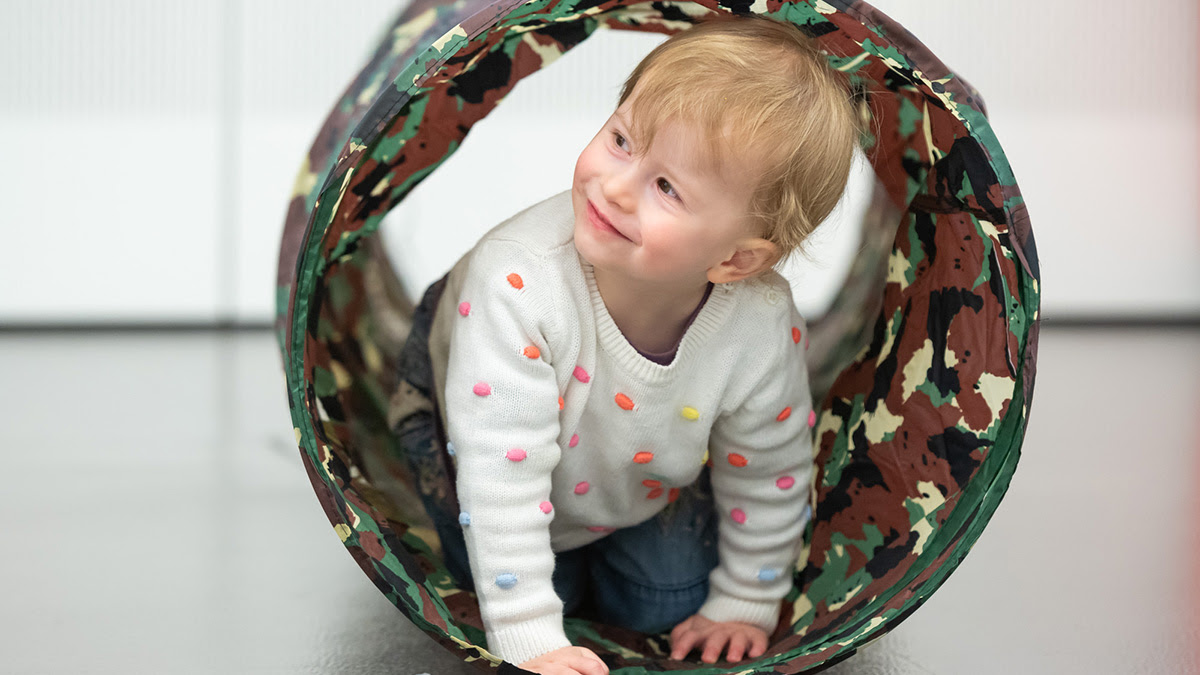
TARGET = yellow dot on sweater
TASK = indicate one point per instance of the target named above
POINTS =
(705, 460)
(343, 532)
(690, 413)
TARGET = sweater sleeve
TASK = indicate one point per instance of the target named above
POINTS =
(502, 410)
(761, 471)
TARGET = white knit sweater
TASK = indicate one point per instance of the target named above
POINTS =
(562, 432)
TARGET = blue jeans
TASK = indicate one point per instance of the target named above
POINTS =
(648, 577)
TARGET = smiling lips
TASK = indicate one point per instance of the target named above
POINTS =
(601, 223)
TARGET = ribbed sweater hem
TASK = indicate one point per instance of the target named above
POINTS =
(720, 608)
(529, 639)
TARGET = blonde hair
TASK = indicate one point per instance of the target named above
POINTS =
(771, 86)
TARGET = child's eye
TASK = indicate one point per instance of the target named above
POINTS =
(666, 188)
(618, 138)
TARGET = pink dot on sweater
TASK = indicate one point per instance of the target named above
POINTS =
(600, 528)
(785, 482)
(482, 389)
(546, 507)
(464, 308)
(738, 515)
(581, 375)
(812, 418)
(581, 487)
(574, 441)
(516, 454)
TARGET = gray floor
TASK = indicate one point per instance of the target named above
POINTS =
(156, 519)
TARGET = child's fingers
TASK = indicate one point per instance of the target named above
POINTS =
(758, 645)
(682, 643)
(737, 647)
(713, 646)
(585, 664)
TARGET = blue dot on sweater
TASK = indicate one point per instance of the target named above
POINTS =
(506, 580)
(768, 574)
(450, 448)
(464, 519)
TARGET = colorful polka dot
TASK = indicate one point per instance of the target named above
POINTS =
(582, 375)
(624, 401)
(482, 389)
(581, 487)
(515, 455)
(767, 574)
(690, 413)
(795, 335)
(651, 483)
(655, 493)
(531, 352)
(574, 441)
(561, 403)
(643, 457)
(600, 528)
(464, 519)
(812, 418)
(737, 460)
(515, 281)
(785, 482)
(784, 414)
(449, 448)
(546, 507)
(739, 516)
(672, 495)
(506, 580)
(464, 308)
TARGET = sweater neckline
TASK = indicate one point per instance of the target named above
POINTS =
(712, 316)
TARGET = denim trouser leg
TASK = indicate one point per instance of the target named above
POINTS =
(652, 576)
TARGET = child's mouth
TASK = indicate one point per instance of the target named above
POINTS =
(600, 223)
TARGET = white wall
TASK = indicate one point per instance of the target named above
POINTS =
(208, 107)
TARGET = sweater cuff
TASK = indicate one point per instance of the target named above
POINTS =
(721, 607)
(529, 639)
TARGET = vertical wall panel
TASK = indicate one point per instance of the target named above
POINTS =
(205, 109)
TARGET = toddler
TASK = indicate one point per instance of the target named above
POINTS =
(620, 370)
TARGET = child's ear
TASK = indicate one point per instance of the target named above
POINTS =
(751, 257)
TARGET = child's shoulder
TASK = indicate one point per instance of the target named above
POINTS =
(768, 297)
(542, 228)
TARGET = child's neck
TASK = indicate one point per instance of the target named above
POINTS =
(651, 316)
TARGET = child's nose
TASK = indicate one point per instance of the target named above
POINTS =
(619, 189)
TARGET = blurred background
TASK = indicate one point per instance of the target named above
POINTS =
(157, 518)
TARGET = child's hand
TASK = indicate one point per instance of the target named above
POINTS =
(567, 661)
(697, 631)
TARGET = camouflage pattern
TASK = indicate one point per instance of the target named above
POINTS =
(924, 366)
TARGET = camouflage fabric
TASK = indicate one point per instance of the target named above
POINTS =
(924, 366)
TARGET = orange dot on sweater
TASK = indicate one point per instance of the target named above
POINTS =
(737, 460)
(795, 335)
(643, 457)
(624, 401)
(515, 281)
(672, 495)
(531, 352)
(786, 413)
(650, 483)
(560, 403)
(655, 493)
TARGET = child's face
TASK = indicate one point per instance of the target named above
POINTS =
(661, 217)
